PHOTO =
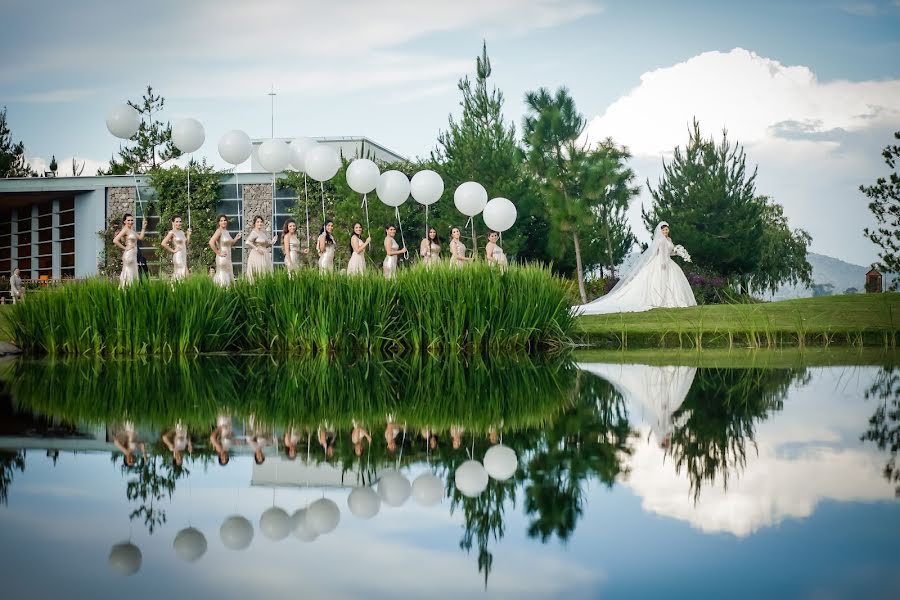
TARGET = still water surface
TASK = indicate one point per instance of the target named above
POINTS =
(632, 480)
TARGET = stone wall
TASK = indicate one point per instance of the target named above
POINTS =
(119, 200)
(257, 201)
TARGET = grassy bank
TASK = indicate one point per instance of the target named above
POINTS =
(440, 310)
(853, 320)
(747, 358)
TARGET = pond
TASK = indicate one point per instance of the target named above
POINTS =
(610, 475)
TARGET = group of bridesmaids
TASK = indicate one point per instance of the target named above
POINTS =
(259, 246)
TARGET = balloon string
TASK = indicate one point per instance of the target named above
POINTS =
(273, 209)
(365, 204)
(400, 225)
(190, 160)
(306, 204)
(240, 200)
(322, 188)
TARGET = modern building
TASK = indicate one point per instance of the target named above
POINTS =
(347, 147)
(50, 226)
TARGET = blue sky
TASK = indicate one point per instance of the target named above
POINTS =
(812, 89)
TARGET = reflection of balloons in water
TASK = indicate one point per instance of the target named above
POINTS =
(189, 544)
(123, 121)
(471, 478)
(501, 462)
(275, 524)
(362, 175)
(426, 187)
(499, 214)
(188, 135)
(427, 489)
(125, 558)
(470, 198)
(235, 147)
(236, 533)
(393, 488)
(363, 502)
(299, 147)
(393, 188)
(301, 527)
(323, 516)
(274, 155)
(321, 162)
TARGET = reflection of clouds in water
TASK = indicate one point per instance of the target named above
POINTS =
(804, 454)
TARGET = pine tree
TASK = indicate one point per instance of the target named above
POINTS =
(12, 154)
(154, 141)
(885, 205)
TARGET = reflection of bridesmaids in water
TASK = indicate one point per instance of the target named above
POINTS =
(127, 441)
(258, 437)
(292, 437)
(222, 438)
(391, 431)
(177, 440)
(357, 435)
(430, 438)
(456, 432)
(326, 439)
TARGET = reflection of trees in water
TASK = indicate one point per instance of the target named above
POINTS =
(10, 462)
(884, 424)
(150, 481)
(717, 420)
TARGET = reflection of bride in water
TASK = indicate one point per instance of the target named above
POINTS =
(652, 394)
(654, 281)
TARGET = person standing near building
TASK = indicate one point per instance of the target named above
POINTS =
(259, 258)
(129, 249)
(16, 289)
(178, 248)
(221, 243)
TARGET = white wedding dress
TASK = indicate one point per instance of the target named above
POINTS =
(655, 281)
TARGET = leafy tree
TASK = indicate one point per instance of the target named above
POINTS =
(884, 424)
(709, 198)
(885, 205)
(851, 290)
(552, 128)
(12, 154)
(784, 251)
(154, 145)
(822, 289)
(481, 146)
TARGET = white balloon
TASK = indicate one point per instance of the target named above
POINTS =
(189, 544)
(123, 121)
(362, 175)
(393, 188)
(275, 524)
(499, 214)
(321, 162)
(323, 516)
(363, 502)
(501, 462)
(427, 489)
(393, 488)
(471, 478)
(426, 187)
(125, 558)
(302, 529)
(274, 155)
(236, 533)
(188, 135)
(235, 147)
(299, 148)
(470, 198)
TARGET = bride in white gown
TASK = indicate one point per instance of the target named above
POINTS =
(655, 281)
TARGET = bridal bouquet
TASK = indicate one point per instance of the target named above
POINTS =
(680, 251)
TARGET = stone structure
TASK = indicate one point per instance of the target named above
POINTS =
(257, 201)
(119, 200)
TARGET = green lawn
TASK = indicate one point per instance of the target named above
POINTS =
(860, 319)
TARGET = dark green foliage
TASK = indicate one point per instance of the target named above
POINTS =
(154, 145)
(884, 425)
(884, 203)
(783, 259)
(12, 154)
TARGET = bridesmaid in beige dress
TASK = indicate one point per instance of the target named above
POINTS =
(291, 245)
(259, 257)
(430, 248)
(392, 249)
(494, 253)
(325, 246)
(221, 243)
(357, 263)
(129, 272)
(178, 247)
(458, 256)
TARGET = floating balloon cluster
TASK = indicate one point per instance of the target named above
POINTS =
(321, 163)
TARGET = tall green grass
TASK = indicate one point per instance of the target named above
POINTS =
(472, 310)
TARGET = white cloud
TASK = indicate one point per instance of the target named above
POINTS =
(64, 166)
(815, 142)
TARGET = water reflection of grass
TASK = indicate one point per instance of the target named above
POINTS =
(854, 320)
(742, 358)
